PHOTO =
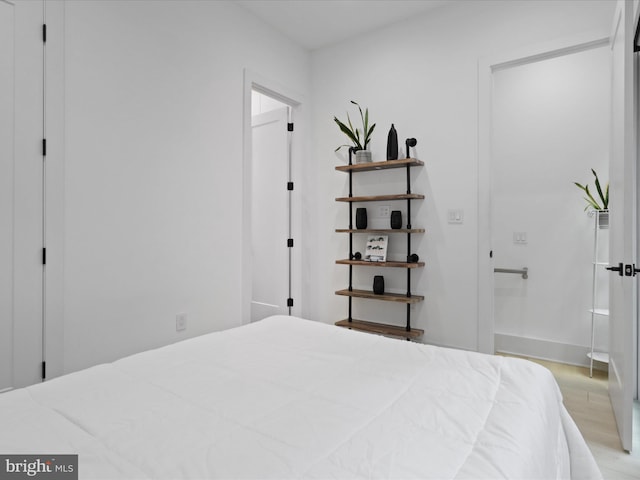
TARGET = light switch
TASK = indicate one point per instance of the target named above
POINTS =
(455, 216)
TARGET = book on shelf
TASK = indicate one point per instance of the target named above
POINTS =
(376, 250)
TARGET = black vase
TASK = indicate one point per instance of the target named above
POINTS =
(392, 144)
(361, 218)
(378, 285)
(396, 219)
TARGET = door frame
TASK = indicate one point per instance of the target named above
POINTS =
(486, 67)
(257, 82)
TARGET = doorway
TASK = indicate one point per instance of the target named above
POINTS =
(21, 195)
(271, 261)
(549, 129)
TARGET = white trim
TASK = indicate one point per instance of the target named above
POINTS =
(54, 118)
(486, 67)
(254, 81)
(545, 350)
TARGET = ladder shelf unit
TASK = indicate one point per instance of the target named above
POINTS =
(601, 226)
(408, 298)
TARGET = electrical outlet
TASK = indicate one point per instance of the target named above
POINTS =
(520, 238)
(181, 322)
(384, 211)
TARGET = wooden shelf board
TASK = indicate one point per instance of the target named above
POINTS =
(380, 328)
(380, 264)
(380, 230)
(380, 198)
(365, 167)
(387, 297)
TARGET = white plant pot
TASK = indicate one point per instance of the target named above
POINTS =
(603, 219)
(363, 156)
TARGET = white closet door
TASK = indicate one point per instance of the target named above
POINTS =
(6, 193)
(269, 215)
(28, 225)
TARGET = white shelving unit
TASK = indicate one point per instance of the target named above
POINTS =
(601, 228)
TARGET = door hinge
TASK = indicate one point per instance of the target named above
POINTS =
(44, 147)
(289, 302)
(44, 256)
(44, 33)
(289, 127)
(290, 242)
(290, 186)
(44, 370)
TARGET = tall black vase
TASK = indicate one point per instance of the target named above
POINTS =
(378, 285)
(392, 144)
(361, 218)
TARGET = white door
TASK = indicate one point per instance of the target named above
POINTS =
(21, 24)
(269, 214)
(623, 307)
(6, 194)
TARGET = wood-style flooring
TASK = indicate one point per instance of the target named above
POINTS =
(587, 400)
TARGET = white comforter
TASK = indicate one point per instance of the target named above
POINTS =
(291, 398)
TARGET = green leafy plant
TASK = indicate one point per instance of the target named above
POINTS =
(591, 201)
(360, 138)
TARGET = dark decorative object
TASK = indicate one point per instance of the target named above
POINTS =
(410, 142)
(357, 256)
(378, 285)
(413, 258)
(396, 219)
(392, 144)
(361, 218)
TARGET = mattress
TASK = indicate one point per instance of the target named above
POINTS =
(292, 398)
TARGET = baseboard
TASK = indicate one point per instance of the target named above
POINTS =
(545, 350)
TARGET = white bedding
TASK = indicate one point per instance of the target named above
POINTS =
(291, 398)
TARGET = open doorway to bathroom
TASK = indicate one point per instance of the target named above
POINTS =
(550, 128)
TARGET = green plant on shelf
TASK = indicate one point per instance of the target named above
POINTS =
(590, 199)
(360, 142)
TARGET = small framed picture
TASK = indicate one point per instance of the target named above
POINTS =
(376, 250)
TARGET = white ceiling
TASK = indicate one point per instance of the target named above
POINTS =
(318, 23)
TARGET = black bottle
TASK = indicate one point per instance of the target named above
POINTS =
(392, 144)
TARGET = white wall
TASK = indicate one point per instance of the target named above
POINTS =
(422, 75)
(149, 177)
(550, 126)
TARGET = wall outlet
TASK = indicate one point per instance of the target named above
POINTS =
(181, 322)
(520, 238)
(384, 211)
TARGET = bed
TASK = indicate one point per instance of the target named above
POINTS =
(292, 398)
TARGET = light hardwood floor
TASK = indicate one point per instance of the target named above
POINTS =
(587, 400)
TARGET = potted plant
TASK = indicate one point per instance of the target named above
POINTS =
(360, 139)
(601, 206)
